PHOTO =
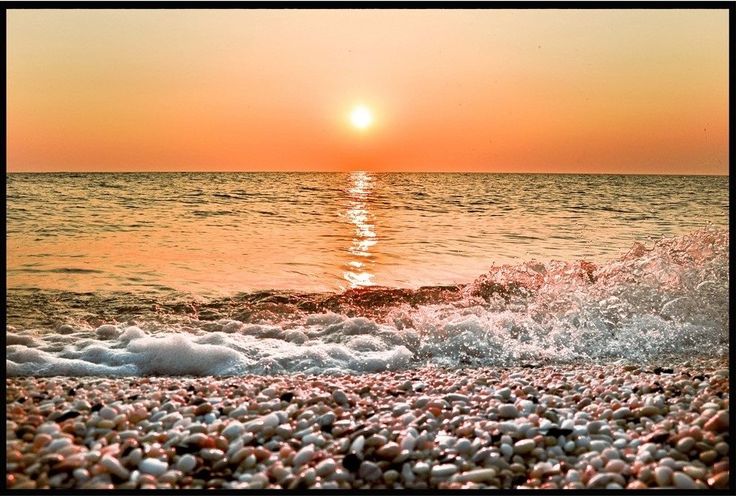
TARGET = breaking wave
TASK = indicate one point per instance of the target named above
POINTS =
(667, 299)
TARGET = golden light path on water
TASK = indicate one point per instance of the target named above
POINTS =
(360, 257)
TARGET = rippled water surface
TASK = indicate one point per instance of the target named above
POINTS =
(223, 233)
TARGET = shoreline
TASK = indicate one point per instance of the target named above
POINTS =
(553, 426)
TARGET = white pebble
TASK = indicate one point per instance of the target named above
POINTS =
(271, 420)
(622, 413)
(683, 481)
(357, 445)
(313, 438)
(153, 466)
(406, 473)
(284, 430)
(478, 475)
(444, 470)
(663, 476)
(463, 446)
(211, 454)
(421, 468)
(186, 463)
(326, 467)
(506, 450)
(58, 444)
(233, 430)
(598, 445)
(113, 465)
(507, 411)
(303, 456)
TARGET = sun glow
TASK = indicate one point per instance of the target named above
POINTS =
(361, 117)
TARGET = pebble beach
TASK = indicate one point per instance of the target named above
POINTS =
(613, 425)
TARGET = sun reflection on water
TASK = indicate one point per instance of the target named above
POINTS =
(358, 273)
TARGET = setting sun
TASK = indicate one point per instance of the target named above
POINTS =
(361, 117)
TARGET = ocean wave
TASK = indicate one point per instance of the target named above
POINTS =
(669, 298)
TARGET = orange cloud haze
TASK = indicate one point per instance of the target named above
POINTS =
(619, 91)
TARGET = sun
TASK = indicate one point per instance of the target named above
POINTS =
(361, 117)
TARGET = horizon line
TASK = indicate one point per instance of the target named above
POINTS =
(364, 171)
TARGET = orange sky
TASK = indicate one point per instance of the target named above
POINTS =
(609, 91)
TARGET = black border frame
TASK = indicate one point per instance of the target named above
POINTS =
(408, 5)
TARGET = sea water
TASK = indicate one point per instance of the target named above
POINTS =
(236, 273)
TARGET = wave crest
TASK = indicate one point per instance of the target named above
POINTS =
(668, 299)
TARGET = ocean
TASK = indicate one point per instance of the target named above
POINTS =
(277, 273)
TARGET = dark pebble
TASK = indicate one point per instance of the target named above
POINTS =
(191, 448)
(127, 450)
(68, 415)
(518, 479)
(351, 462)
(557, 432)
(287, 397)
(203, 473)
(657, 437)
(96, 407)
(661, 370)
(23, 430)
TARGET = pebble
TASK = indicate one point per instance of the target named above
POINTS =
(648, 411)
(114, 466)
(326, 467)
(708, 456)
(598, 445)
(303, 456)
(422, 468)
(719, 481)
(622, 413)
(683, 481)
(340, 397)
(663, 476)
(370, 471)
(717, 423)
(463, 446)
(212, 454)
(685, 444)
(477, 475)
(444, 470)
(271, 420)
(507, 411)
(153, 466)
(389, 451)
(616, 466)
(186, 463)
(233, 430)
(524, 446)
(456, 397)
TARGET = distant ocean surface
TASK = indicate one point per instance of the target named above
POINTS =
(232, 273)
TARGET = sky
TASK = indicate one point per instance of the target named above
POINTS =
(558, 91)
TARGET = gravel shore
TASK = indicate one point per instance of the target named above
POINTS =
(563, 426)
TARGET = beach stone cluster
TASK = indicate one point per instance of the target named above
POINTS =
(564, 426)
